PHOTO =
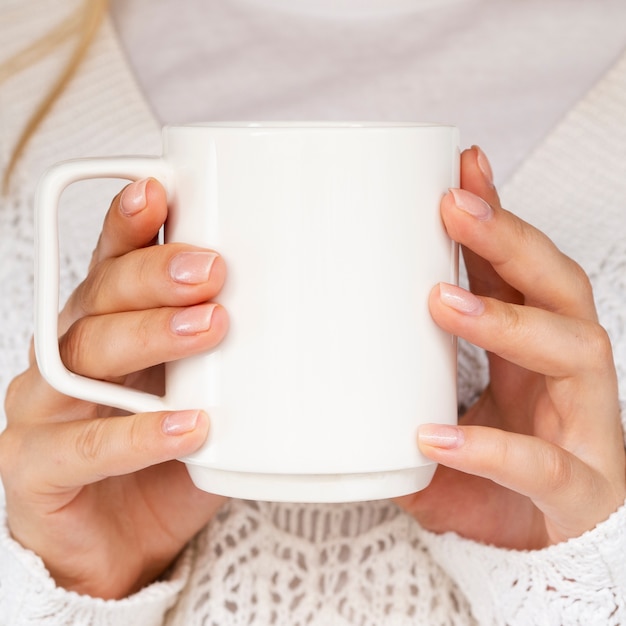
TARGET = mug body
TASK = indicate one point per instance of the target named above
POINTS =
(333, 240)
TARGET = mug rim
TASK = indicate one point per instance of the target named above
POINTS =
(308, 125)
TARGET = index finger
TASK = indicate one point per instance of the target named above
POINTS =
(524, 257)
(133, 220)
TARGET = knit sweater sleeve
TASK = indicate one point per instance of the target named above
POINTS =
(578, 582)
(29, 595)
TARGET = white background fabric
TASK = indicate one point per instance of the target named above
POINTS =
(504, 71)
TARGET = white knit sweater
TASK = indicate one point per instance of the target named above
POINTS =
(369, 563)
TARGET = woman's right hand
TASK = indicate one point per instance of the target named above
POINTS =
(94, 492)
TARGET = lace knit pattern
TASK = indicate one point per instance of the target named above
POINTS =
(360, 564)
(364, 564)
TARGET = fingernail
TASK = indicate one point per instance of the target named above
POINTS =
(133, 199)
(194, 320)
(483, 165)
(460, 300)
(472, 204)
(192, 268)
(441, 436)
(180, 422)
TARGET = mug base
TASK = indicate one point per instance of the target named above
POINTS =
(318, 488)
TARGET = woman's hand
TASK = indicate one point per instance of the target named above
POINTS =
(95, 492)
(540, 457)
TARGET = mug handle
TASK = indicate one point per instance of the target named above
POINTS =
(48, 193)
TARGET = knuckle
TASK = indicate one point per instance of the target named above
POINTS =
(88, 295)
(501, 449)
(525, 234)
(91, 441)
(503, 255)
(72, 346)
(144, 265)
(597, 347)
(144, 330)
(136, 438)
(84, 351)
(558, 469)
(581, 280)
(511, 324)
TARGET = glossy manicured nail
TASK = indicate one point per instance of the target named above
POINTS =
(133, 199)
(483, 165)
(194, 320)
(180, 422)
(192, 268)
(472, 204)
(460, 300)
(441, 436)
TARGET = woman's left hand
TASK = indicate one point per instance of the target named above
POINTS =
(540, 457)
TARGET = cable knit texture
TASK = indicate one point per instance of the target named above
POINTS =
(363, 563)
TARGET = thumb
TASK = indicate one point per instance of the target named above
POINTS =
(74, 454)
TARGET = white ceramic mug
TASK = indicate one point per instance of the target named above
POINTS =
(333, 240)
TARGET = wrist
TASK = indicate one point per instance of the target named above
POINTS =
(27, 591)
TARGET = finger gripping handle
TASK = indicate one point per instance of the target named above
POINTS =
(47, 197)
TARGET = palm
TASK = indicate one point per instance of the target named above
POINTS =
(123, 531)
